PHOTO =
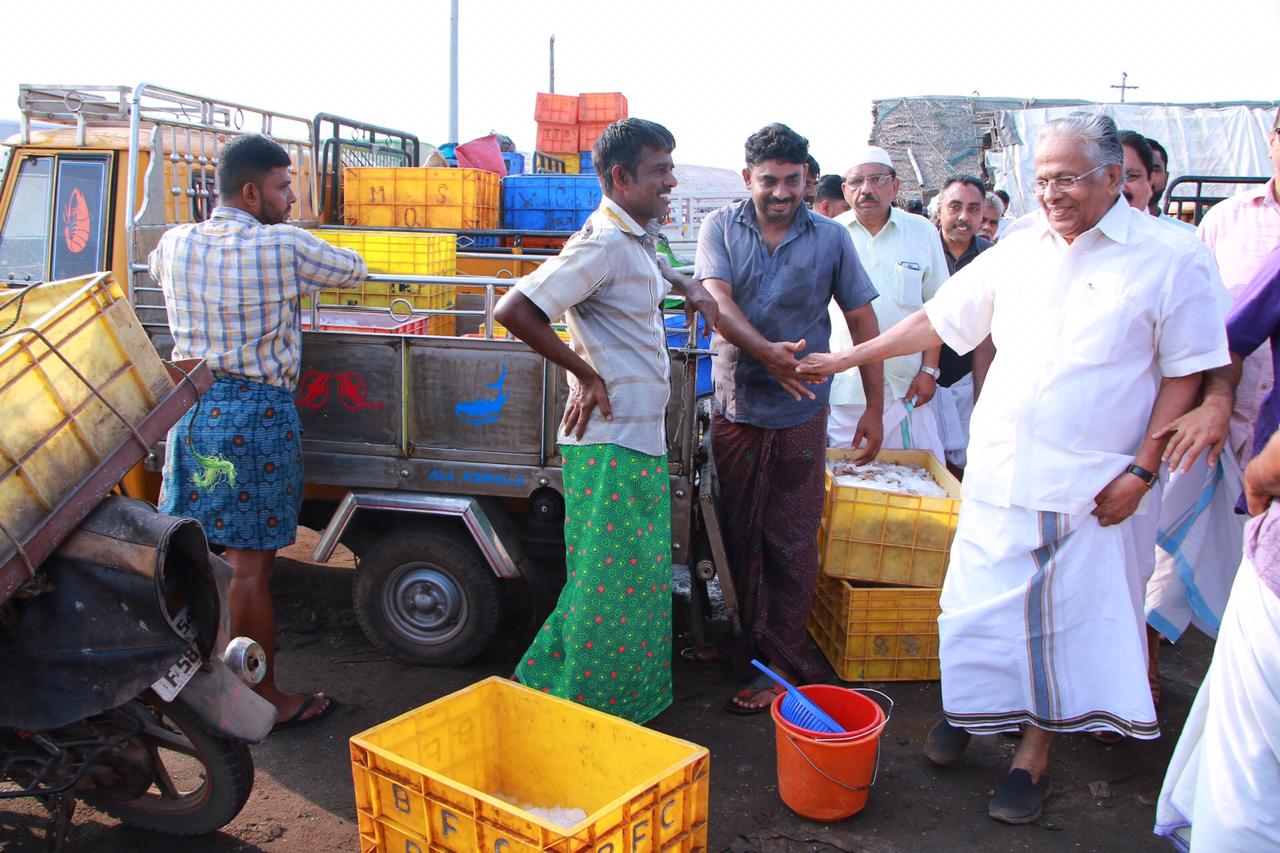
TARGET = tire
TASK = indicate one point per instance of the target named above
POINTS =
(425, 597)
(210, 777)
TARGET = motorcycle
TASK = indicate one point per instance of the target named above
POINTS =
(122, 685)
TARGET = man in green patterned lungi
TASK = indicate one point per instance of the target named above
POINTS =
(608, 642)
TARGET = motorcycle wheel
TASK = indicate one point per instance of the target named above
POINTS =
(200, 783)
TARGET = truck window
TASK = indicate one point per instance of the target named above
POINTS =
(80, 221)
(58, 222)
(24, 239)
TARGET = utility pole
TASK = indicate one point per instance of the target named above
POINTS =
(552, 87)
(1123, 84)
(453, 72)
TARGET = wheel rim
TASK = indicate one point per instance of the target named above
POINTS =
(424, 604)
(181, 783)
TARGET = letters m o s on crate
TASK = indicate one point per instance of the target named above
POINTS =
(431, 779)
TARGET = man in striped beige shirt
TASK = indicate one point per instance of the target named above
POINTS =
(232, 288)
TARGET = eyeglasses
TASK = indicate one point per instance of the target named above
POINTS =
(1065, 185)
(874, 180)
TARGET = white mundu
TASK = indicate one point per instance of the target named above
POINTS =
(1038, 594)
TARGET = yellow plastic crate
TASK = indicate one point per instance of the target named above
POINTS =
(55, 430)
(427, 780)
(381, 294)
(397, 252)
(886, 537)
(877, 633)
(501, 332)
(572, 163)
(416, 197)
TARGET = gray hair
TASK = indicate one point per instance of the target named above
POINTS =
(1097, 131)
(992, 198)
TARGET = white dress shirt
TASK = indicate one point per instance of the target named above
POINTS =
(1083, 334)
(906, 264)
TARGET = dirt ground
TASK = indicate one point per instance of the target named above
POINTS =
(302, 800)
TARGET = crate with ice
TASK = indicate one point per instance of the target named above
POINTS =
(889, 522)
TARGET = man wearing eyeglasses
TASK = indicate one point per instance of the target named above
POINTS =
(903, 257)
(1103, 322)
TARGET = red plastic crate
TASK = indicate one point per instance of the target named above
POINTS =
(589, 132)
(605, 107)
(556, 109)
(558, 138)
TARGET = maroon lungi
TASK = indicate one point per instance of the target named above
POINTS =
(772, 489)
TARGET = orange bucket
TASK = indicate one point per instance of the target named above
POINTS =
(823, 776)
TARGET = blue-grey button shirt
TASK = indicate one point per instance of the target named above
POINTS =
(785, 296)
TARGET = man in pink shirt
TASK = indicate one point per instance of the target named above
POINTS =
(1241, 232)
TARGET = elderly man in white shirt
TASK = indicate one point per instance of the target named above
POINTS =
(903, 257)
(1103, 321)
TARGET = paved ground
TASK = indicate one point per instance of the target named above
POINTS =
(303, 796)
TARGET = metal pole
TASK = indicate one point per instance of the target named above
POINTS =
(552, 87)
(453, 71)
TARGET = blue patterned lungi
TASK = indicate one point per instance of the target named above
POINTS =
(255, 427)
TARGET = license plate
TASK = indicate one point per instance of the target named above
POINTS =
(169, 685)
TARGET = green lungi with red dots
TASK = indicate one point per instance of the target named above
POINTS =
(608, 642)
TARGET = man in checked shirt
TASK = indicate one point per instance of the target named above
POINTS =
(232, 288)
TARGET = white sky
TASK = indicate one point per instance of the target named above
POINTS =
(712, 71)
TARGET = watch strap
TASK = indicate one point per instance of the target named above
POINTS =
(1148, 477)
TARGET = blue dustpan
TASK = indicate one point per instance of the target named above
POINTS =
(798, 709)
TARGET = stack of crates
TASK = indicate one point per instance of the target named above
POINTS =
(548, 202)
(883, 557)
(569, 125)
(397, 253)
(456, 774)
(557, 118)
(596, 111)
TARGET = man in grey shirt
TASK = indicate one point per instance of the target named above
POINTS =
(602, 645)
(773, 267)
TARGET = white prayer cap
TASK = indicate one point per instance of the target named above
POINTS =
(874, 154)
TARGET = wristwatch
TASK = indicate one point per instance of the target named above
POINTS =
(931, 372)
(1148, 477)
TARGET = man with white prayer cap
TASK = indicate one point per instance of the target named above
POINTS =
(1103, 321)
(903, 257)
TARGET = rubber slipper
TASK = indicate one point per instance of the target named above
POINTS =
(751, 693)
(703, 654)
(1019, 800)
(1107, 738)
(299, 720)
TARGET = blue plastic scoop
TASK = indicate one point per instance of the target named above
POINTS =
(798, 709)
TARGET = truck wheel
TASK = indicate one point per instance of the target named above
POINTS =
(425, 597)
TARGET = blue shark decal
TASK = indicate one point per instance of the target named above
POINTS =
(487, 411)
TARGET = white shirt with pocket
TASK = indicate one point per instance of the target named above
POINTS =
(906, 264)
(1084, 332)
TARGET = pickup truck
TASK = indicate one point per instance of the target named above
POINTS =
(431, 454)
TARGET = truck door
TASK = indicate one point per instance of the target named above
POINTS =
(57, 220)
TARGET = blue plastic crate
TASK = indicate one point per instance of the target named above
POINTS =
(676, 337)
(548, 202)
(476, 243)
(514, 162)
(584, 163)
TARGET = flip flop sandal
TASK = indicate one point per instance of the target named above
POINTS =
(299, 720)
(1107, 738)
(751, 693)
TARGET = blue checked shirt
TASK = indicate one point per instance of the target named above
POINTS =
(232, 288)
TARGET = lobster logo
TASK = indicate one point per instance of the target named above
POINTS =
(353, 394)
(75, 222)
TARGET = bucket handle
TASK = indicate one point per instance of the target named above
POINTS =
(879, 731)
